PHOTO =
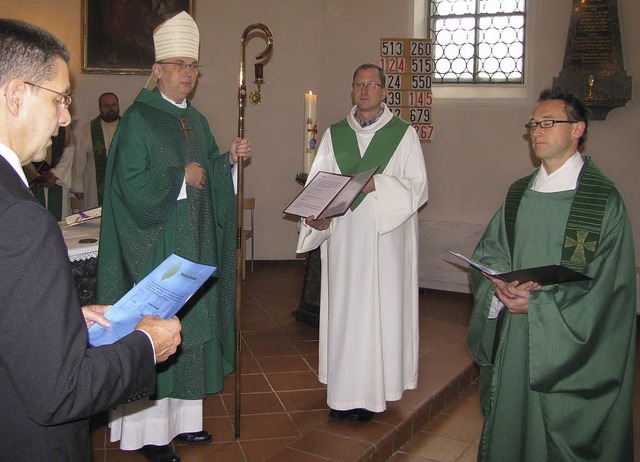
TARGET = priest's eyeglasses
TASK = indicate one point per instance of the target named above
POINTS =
(182, 66)
(65, 100)
(547, 123)
(368, 85)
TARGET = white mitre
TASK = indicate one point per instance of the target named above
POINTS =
(176, 37)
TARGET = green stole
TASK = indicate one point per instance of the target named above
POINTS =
(99, 155)
(53, 201)
(582, 232)
(379, 152)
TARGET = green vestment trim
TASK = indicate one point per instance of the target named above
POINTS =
(53, 201)
(378, 153)
(99, 155)
(583, 227)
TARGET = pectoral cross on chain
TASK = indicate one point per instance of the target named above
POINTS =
(183, 128)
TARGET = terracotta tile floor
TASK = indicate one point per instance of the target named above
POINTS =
(284, 411)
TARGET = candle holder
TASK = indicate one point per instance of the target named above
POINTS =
(301, 178)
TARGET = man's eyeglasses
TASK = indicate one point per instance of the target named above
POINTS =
(368, 85)
(66, 100)
(547, 123)
(182, 66)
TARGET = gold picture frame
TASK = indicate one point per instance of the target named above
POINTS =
(117, 35)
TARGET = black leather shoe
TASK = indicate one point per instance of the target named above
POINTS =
(203, 437)
(159, 453)
(356, 415)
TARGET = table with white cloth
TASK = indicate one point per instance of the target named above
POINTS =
(82, 245)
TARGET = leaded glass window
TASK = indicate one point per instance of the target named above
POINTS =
(477, 41)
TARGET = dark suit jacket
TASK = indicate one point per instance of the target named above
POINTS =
(50, 382)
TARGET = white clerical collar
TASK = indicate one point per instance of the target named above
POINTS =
(182, 105)
(14, 161)
(563, 179)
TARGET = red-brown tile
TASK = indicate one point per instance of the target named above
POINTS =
(302, 333)
(292, 455)
(267, 426)
(457, 426)
(435, 447)
(116, 455)
(304, 400)
(293, 363)
(312, 360)
(292, 423)
(306, 348)
(99, 437)
(307, 421)
(404, 431)
(214, 452)
(255, 403)
(271, 334)
(333, 446)
(249, 365)
(249, 383)
(261, 450)
(214, 407)
(220, 427)
(279, 348)
(288, 381)
(402, 457)
(368, 432)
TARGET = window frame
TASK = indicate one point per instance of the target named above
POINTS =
(514, 89)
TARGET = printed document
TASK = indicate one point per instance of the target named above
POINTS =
(162, 293)
(329, 194)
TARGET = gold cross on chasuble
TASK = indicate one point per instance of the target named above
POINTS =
(581, 244)
(183, 128)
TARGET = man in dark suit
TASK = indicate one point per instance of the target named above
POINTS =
(50, 381)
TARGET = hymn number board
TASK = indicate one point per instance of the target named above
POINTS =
(407, 64)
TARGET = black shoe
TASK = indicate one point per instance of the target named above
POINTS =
(357, 415)
(159, 453)
(202, 437)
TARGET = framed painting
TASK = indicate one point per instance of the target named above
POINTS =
(117, 35)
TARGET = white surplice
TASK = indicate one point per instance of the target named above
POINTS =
(368, 348)
(154, 422)
(84, 165)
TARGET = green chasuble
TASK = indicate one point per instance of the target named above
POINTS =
(560, 385)
(143, 223)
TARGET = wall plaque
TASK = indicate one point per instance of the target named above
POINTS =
(593, 67)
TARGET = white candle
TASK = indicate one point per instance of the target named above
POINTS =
(310, 131)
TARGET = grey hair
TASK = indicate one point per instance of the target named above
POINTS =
(29, 52)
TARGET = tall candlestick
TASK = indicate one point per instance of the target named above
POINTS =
(310, 131)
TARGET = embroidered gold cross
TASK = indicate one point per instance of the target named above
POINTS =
(183, 128)
(581, 244)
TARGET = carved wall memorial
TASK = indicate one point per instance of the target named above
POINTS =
(593, 67)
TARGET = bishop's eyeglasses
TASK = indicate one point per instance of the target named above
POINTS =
(182, 66)
(547, 123)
